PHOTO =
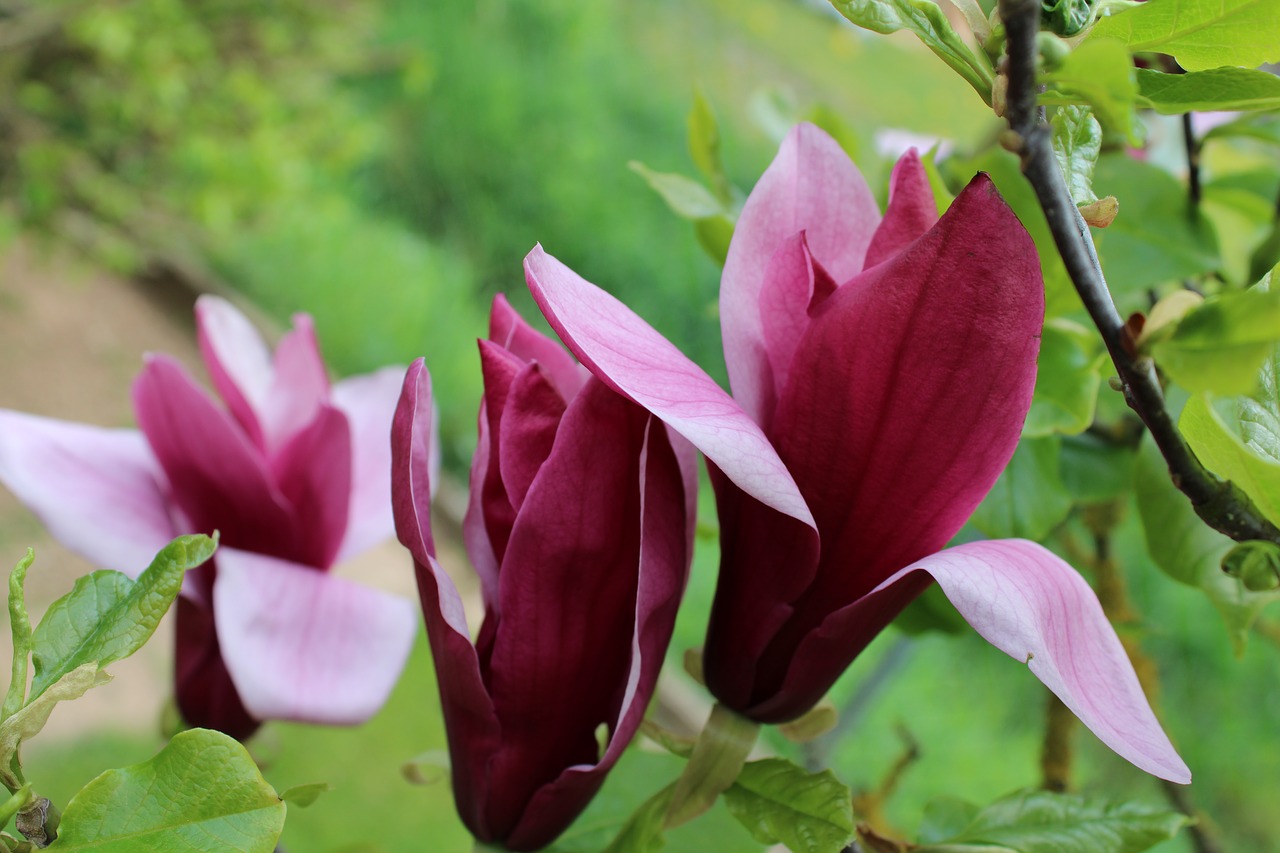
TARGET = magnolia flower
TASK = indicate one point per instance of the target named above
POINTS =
(881, 371)
(580, 527)
(295, 476)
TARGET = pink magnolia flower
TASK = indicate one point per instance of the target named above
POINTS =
(295, 476)
(580, 527)
(881, 371)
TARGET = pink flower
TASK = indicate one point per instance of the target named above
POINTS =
(882, 369)
(294, 475)
(580, 527)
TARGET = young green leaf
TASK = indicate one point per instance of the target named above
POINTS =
(1207, 91)
(1047, 822)
(944, 817)
(27, 722)
(780, 803)
(1200, 34)
(685, 196)
(1218, 439)
(704, 148)
(107, 616)
(202, 793)
(20, 627)
(304, 795)
(1221, 345)
(1028, 500)
(1077, 141)
(927, 20)
(1189, 551)
(1067, 382)
(1098, 73)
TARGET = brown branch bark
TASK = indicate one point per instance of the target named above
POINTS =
(1219, 504)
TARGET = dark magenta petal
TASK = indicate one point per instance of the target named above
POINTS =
(299, 384)
(313, 470)
(494, 510)
(203, 689)
(905, 402)
(529, 422)
(469, 716)
(568, 587)
(509, 330)
(911, 212)
(811, 186)
(663, 570)
(216, 475)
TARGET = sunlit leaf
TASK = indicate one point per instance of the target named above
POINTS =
(1189, 551)
(685, 196)
(1239, 444)
(1200, 34)
(1099, 73)
(1208, 91)
(1047, 822)
(1221, 345)
(780, 803)
(202, 793)
(107, 616)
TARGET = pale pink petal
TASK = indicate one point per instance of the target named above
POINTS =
(911, 212)
(98, 491)
(794, 284)
(629, 356)
(1031, 605)
(238, 361)
(811, 186)
(305, 645)
(299, 384)
(369, 402)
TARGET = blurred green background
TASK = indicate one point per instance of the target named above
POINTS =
(386, 164)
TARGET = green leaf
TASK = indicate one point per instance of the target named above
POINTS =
(304, 795)
(27, 722)
(1067, 381)
(20, 627)
(1221, 345)
(1187, 550)
(1028, 500)
(107, 616)
(704, 148)
(16, 803)
(1208, 91)
(780, 803)
(1047, 822)
(1095, 470)
(927, 20)
(202, 793)
(643, 831)
(1243, 222)
(714, 234)
(1252, 463)
(1077, 141)
(931, 610)
(685, 196)
(1200, 34)
(1098, 73)
(945, 817)
(1157, 237)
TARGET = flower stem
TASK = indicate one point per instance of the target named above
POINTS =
(1221, 505)
(717, 759)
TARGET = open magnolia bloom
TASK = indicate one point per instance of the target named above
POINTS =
(293, 473)
(881, 371)
(580, 528)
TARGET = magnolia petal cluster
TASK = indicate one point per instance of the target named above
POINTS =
(881, 369)
(292, 472)
(580, 528)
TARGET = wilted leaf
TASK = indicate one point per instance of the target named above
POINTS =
(20, 628)
(27, 722)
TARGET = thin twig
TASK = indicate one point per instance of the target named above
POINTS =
(1193, 162)
(1218, 503)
